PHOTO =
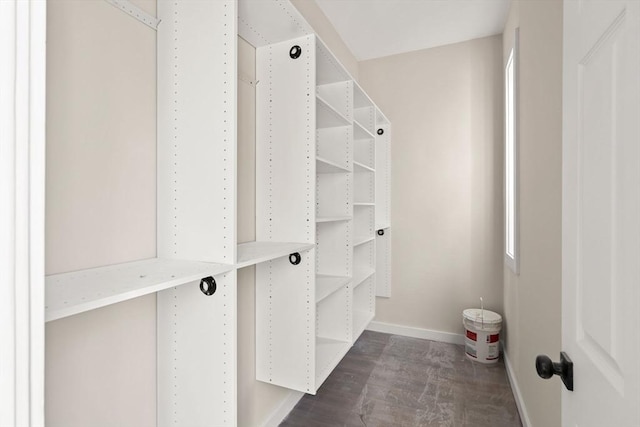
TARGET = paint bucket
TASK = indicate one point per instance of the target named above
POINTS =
(482, 334)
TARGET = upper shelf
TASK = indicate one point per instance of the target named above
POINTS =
(360, 132)
(256, 252)
(327, 116)
(79, 291)
(327, 166)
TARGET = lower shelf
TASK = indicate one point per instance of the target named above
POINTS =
(361, 320)
(72, 293)
(329, 352)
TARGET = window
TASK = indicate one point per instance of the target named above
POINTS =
(511, 156)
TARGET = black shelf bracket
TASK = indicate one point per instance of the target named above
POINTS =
(295, 258)
(208, 286)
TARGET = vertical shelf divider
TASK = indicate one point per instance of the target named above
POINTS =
(196, 210)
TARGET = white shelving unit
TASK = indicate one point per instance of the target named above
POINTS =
(315, 184)
(322, 190)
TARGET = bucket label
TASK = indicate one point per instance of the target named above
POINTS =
(493, 338)
(472, 335)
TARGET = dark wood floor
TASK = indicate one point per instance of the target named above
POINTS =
(394, 381)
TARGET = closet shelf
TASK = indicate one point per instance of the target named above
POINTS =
(361, 240)
(362, 275)
(326, 285)
(361, 320)
(327, 116)
(360, 132)
(328, 166)
(364, 204)
(320, 219)
(252, 253)
(360, 167)
(329, 352)
(84, 290)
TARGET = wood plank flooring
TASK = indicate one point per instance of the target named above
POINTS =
(395, 381)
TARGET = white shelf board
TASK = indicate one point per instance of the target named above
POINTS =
(79, 291)
(326, 285)
(383, 226)
(361, 320)
(327, 116)
(328, 166)
(364, 204)
(361, 240)
(361, 275)
(360, 132)
(333, 218)
(329, 352)
(358, 167)
(252, 253)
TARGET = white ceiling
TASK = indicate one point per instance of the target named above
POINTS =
(375, 28)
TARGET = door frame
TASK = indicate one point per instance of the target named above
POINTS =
(22, 205)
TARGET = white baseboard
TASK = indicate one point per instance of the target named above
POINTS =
(283, 410)
(409, 331)
(522, 409)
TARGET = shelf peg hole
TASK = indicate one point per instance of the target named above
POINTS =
(295, 52)
(380, 131)
(381, 232)
(295, 258)
(208, 286)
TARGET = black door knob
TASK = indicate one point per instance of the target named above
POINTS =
(547, 368)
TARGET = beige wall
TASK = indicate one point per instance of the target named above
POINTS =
(445, 105)
(533, 299)
(100, 208)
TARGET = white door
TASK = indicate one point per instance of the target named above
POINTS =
(601, 212)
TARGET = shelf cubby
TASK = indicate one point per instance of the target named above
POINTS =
(326, 285)
(363, 219)
(333, 249)
(364, 152)
(364, 187)
(361, 132)
(329, 352)
(333, 329)
(327, 116)
(328, 68)
(338, 96)
(334, 145)
(327, 166)
(333, 195)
